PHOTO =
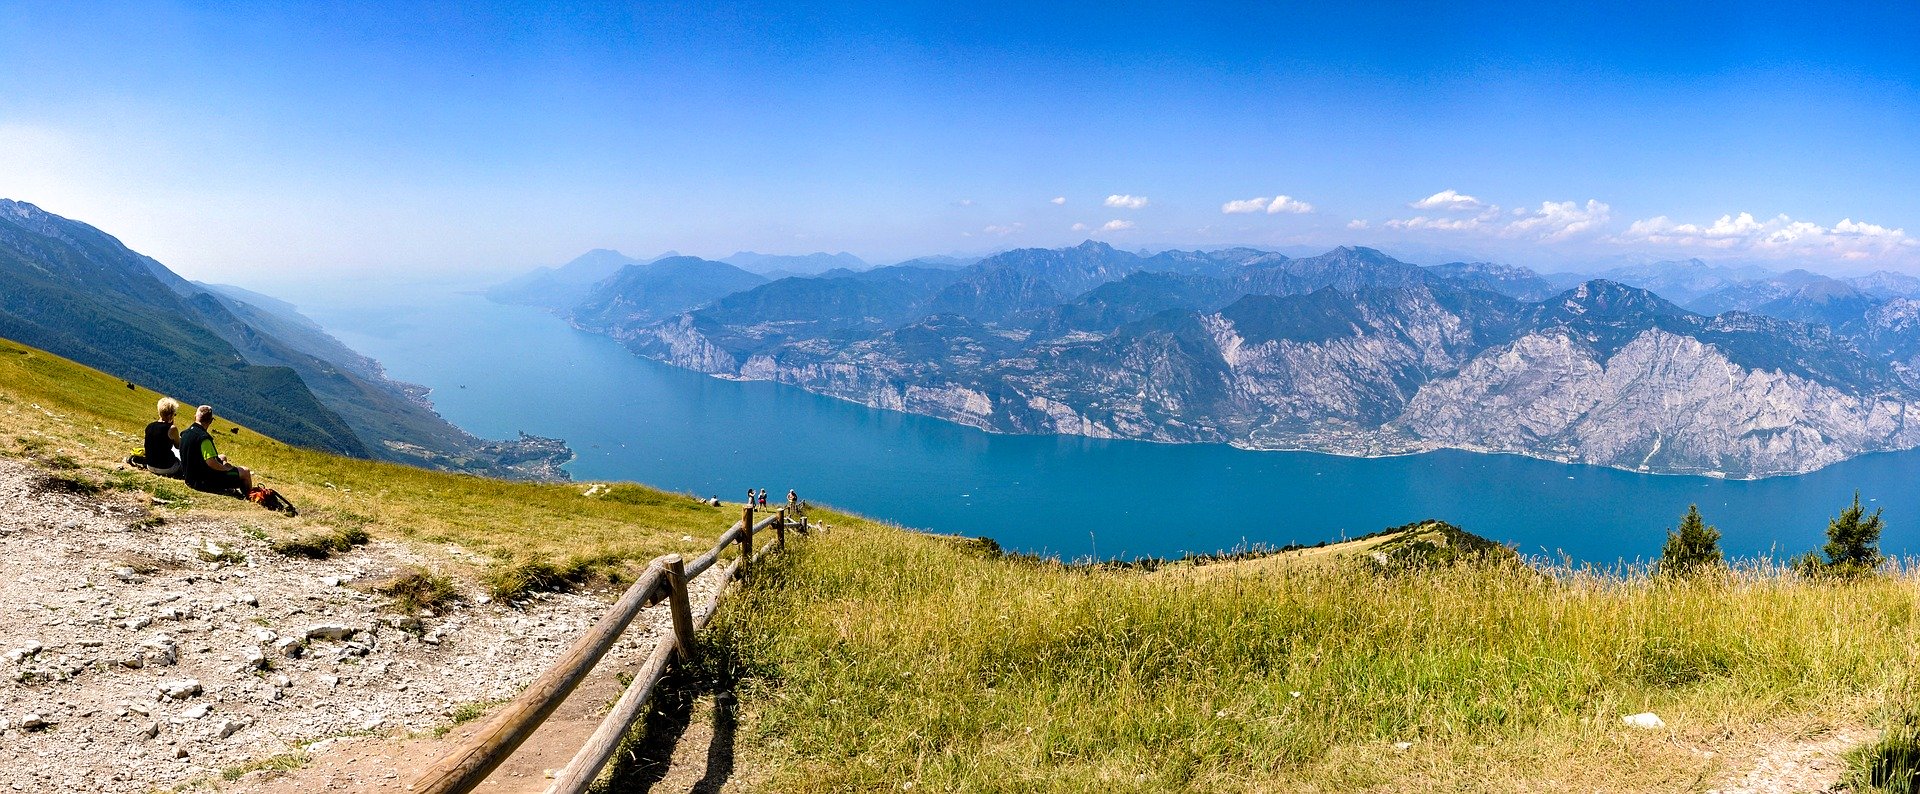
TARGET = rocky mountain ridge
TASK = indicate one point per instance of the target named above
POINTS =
(1350, 352)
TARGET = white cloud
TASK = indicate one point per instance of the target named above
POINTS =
(1441, 224)
(1080, 227)
(1271, 206)
(1004, 230)
(1058, 200)
(1116, 225)
(966, 202)
(1126, 202)
(1779, 235)
(1559, 220)
(1357, 224)
(1449, 199)
(1288, 204)
(1245, 206)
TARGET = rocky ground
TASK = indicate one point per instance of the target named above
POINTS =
(138, 655)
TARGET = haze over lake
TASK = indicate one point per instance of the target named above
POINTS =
(496, 370)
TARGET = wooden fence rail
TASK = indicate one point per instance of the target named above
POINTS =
(666, 578)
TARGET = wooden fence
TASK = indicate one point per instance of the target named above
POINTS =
(666, 578)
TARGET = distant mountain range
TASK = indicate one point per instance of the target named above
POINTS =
(73, 290)
(1350, 351)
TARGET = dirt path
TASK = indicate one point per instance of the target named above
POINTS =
(138, 654)
(1796, 764)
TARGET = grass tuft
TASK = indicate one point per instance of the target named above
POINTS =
(1891, 764)
(514, 580)
(322, 544)
(413, 591)
(283, 762)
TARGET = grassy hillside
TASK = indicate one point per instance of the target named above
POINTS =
(875, 658)
(83, 422)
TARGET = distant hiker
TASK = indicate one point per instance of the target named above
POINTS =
(763, 497)
(752, 497)
(204, 467)
(714, 501)
(161, 437)
(793, 499)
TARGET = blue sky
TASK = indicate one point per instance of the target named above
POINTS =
(242, 140)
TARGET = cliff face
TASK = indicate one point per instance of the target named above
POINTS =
(1354, 356)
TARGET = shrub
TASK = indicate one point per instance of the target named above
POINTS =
(1692, 547)
(1853, 545)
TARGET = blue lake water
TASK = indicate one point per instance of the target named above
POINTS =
(498, 369)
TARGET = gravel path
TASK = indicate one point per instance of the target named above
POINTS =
(135, 657)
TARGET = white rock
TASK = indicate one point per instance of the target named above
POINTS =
(227, 728)
(148, 730)
(197, 712)
(330, 631)
(160, 650)
(330, 581)
(246, 598)
(282, 682)
(20, 654)
(290, 647)
(181, 689)
(264, 636)
(136, 623)
(1403, 746)
(32, 722)
(1646, 719)
(256, 658)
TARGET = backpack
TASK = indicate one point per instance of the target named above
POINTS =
(272, 500)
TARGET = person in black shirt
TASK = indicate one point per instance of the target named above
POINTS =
(203, 467)
(161, 438)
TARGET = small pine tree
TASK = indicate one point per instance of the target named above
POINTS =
(1692, 547)
(1853, 541)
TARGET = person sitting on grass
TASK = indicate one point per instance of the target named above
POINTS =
(161, 437)
(205, 469)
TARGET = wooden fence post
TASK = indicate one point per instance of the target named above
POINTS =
(677, 604)
(780, 528)
(746, 544)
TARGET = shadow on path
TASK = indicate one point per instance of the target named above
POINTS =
(647, 762)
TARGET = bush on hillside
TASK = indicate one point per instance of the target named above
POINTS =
(1853, 545)
(1692, 547)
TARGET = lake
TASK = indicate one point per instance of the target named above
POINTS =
(495, 370)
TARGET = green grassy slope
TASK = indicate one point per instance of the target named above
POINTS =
(876, 658)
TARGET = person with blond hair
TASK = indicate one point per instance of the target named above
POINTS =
(161, 438)
(202, 466)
